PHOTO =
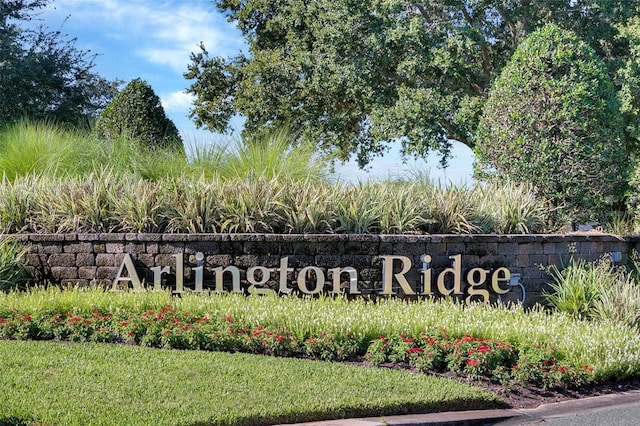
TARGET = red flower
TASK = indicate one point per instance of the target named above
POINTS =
(473, 362)
(279, 338)
(483, 349)
(228, 319)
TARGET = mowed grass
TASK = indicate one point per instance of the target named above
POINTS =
(48, 383)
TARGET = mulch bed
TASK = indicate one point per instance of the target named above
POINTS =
(530, 396)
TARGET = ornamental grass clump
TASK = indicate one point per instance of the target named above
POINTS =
(13, 271)
(41, 148)
(108, 200)
(598, 291)
(577, 287)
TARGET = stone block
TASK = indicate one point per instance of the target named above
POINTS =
(106, 273)
(146, 259)
(61, 273)
(113, 237)
(152, 248)
(402, 249)
(85, 259)
(522, 261)
(329, 261)
(50, 247)
(36, 260)
(454, 248)
(79, 247)
(87, 272)
(219, 260)
(104, 259)
(482, 249)
(529, 248)
(508, 249)
(64, 260)
(171, 248)
(135, 248)
(435, 249)
(115, 248)
(89, 237)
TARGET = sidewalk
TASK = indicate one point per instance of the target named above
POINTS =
(493, 417)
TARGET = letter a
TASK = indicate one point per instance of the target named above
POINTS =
(131, 271)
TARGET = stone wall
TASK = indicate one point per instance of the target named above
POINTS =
(97, 259)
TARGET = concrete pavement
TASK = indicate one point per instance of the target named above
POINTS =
(620, 409)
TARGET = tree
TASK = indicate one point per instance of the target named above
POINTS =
(553, 119)
(137, 112)
(353, 75)
(42, 74)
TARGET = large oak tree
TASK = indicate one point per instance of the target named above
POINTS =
(353, 75)
(43, 75)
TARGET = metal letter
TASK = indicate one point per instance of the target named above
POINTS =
(426, 275)
(500, 274)
(284, 270)
(179, 272)
(131, 271)
(388, 275)
(251, 277)
(353, 280)
(456, 270)
(302, 280)
(474, 284)
(157, 276)
(199, 270)
(235, 278)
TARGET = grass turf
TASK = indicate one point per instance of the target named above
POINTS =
(48, 383)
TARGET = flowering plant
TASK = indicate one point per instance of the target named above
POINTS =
(431, 350)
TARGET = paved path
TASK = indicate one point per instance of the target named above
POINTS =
(622, 409)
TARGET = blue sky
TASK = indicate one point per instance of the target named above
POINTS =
(153, 39)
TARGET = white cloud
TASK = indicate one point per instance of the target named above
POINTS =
(177, 101)
(161, 32)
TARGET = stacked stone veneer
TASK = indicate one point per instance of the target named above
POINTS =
(95, 259)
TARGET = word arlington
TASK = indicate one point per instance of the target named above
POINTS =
(311, 279)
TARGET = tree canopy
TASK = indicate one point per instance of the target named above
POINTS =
(553, 119)
(42, 73)
(353, 75)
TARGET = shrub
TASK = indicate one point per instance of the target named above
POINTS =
(553, 119)
(136, 112)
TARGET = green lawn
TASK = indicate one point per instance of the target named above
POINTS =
(79, 384)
